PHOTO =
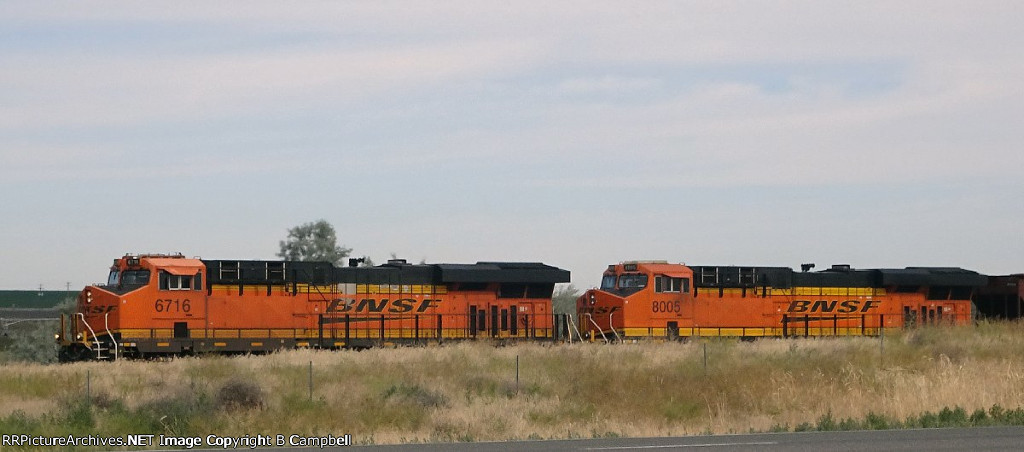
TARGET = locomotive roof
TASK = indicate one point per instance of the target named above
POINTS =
(394, 272)
(503, 272)
(839, 276)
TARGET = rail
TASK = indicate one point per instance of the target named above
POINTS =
(106, 325)
(787, 325)
(331, 329)
(591, 318)
(612, 326)
(93, 333)
(572, 323)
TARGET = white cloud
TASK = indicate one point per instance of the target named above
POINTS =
(455, 100)
(74, 91)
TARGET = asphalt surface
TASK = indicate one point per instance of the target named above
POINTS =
(966, 439)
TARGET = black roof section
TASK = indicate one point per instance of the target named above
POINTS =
(394, 272)
(503, 272)
(837, 276)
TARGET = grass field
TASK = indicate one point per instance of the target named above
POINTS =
(468, 392)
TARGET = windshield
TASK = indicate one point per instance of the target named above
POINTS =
(135, 277)
(608, 282)
(632, 281)
(114, 278)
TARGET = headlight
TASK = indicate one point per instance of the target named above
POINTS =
(78, 337)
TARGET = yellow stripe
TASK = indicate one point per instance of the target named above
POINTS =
(134, 333)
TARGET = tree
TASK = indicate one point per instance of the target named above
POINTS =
(564, 299)
(314, 241)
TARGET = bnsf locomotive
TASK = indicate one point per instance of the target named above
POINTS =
(643, 299)
(169, 304)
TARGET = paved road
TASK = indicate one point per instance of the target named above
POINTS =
(972, 439)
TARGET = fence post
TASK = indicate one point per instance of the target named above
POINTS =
(440, 330)
(517, 374)
(881, 345)
(311, 381)
(705, 344)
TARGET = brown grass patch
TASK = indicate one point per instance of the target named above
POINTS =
(468, 391)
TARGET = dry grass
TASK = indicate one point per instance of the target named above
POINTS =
(468, 392)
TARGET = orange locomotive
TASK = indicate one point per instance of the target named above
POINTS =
(642, 299)
(168, 304)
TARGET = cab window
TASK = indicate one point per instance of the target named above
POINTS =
(180, 282)
(135, 277)
(608, 282)
(632, 281)
(669, 284)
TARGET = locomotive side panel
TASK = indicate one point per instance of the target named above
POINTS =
(173, 305)
(773, 301)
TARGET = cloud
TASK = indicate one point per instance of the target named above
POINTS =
(90, 91)
(391, 115)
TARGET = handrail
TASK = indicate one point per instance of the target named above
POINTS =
(106, 325)
(612, 326)
(91, 332)
(591, 318)
(573, 324)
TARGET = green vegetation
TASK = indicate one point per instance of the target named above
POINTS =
(32, 341)
(314, 241)
(929, 377)
(33, 299)
(563, 301)
(944, 418)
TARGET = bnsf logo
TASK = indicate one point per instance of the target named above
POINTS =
(96, 310)
(600, 310)
(398, 306)
(841, 307)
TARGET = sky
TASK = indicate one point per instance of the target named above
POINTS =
(575, 133)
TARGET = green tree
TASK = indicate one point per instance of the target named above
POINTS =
(564, 299)
(314, 241)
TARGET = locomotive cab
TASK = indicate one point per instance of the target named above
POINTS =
(654, 290)
(136, 286)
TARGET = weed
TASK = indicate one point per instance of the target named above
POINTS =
(240, 395)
